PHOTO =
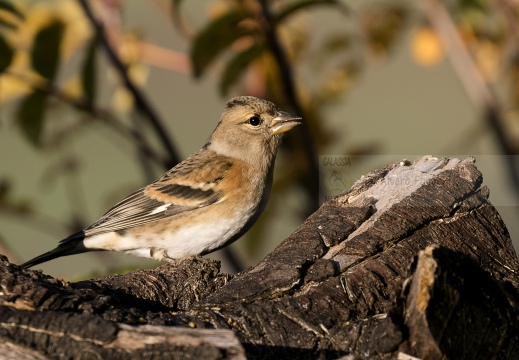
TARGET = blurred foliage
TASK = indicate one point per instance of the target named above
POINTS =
(39, 39)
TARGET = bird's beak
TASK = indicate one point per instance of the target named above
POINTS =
(284, 122)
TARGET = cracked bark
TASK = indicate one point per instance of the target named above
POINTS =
(413, 260)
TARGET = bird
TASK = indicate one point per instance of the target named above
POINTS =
(203, 203)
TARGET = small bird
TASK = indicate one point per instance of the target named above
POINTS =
(202, 204)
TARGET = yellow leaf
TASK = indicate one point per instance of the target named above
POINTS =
(129, 48)
(41, 14)
(73, 87)
(77, 27)
(138, 73)
(426, 47)
(488, 59)
(12, 88)
(122, 100)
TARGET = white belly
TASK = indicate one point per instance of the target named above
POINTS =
(186, 241)
(202, 238)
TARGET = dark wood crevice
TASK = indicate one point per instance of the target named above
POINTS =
(413, 260)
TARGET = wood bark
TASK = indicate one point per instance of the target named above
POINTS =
(412, 262)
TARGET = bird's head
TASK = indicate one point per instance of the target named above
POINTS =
(250, 129)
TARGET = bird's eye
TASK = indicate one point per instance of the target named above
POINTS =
(255, 121)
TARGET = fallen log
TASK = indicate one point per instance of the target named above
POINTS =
(413, 261)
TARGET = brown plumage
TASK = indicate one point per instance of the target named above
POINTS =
(202, 204)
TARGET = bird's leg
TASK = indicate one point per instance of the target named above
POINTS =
(173, 261)
(158, 254)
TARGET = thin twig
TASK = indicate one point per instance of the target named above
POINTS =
(140, 100)
(460, 57)
(96, 113)
(288, 82)
(474, 83)
(163, 58)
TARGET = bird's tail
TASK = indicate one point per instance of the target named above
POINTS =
(70, 246)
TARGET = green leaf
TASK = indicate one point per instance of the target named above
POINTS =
(290, 9)
(7, 6)
(237, 65)
(6, 54)
(88, 72)
(215, 37)
(45, 51)
(31, 115)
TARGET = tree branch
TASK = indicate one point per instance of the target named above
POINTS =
(142, 103)
(427, 269)
(96, 113)
(288, 83)
(475, 85)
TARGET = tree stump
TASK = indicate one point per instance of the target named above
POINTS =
(412, 262)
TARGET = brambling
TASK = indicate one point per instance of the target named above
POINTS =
(202, 204)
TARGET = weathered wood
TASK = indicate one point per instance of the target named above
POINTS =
(12, 351)
(451, 297)
(412, 261)
(70, 336)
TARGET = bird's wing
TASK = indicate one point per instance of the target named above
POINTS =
(190, 185)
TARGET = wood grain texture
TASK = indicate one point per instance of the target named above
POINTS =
(413, 261)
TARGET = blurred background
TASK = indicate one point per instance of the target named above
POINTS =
(100, 97)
